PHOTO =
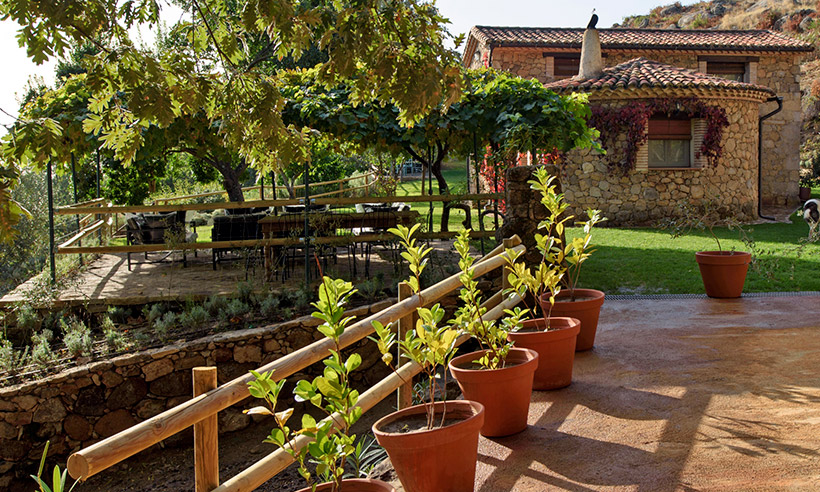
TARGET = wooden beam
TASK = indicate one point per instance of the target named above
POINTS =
(110, 451)
(81, 234)
(121, 209)
(253, 243)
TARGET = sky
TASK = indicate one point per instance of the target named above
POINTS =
(462, 14)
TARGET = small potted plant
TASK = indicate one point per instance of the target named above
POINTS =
(723, 272)
(572, 302)
(331, 392)
(554, 338)
(498, 376)
(433, 446)
(806, 183)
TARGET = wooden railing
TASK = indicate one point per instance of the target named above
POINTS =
(72, 247)
(262, 188)
(201, 411)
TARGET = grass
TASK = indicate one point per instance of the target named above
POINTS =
(649, 261)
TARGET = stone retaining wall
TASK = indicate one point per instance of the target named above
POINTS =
(85, 404)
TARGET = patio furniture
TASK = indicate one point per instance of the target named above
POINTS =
(235, 227)
(292, 225)
(154, 229)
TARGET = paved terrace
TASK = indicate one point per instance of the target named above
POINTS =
(678, 394)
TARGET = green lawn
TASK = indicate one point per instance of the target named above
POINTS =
(649, 261)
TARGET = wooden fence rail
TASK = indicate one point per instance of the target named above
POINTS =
(108, 452)
(366, 177)
(121, 209)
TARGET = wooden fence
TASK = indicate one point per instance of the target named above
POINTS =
(200, 412)
(369, 180)
(73, 245)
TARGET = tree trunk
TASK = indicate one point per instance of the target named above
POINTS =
(443, 189)
(231, 183)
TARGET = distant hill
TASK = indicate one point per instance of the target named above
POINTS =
(797, 18)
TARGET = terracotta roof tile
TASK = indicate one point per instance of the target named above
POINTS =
(642, 39)
(640, 73)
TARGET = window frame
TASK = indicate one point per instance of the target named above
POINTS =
(668, 129)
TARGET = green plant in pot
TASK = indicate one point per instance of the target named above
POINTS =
(566, 258)
(433, 446)
(723, 271)
(331, 443)
(498, 376)
(807, 181)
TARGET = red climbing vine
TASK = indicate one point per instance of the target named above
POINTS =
(631, 120)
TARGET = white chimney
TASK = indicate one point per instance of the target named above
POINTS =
(591, 63)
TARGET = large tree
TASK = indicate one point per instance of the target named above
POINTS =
(392, 50)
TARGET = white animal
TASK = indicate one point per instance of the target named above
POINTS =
(811, 215)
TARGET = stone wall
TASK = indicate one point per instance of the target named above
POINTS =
(643, 196)
(85, 404)
(781, 133)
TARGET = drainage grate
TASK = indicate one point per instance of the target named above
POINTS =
(638, 297)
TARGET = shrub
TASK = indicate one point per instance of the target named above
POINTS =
(118, 314)
(41, 353)
(235, 309)
(11, 360)
(156, 311)
(27, 319)
(106, 323)
(300, 298)
(77, 339)
(215, 305)
(196, 316)
(244, 292)
(115, 340)
(269, 305)
(165, 323)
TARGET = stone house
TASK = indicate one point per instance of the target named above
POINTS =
(742, 71)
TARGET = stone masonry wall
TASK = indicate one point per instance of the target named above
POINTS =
(781, 133)
(88, 403)
(643, 196)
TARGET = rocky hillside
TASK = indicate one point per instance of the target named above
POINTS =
(790, 16)
(798, 18)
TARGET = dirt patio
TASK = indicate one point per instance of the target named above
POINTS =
(678, 394)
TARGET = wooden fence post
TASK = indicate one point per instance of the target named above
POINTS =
(406, 323)
(206, 447)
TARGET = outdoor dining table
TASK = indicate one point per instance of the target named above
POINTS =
(287, 225)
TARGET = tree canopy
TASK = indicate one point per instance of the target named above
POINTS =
(504, 111)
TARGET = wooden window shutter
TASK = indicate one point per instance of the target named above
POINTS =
(642, 157)
(698, 132)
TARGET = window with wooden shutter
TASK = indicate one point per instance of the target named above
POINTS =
(699, 127)
(727, 70)
(669, 144)
(566, 66)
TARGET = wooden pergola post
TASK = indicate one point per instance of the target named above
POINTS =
(206, 443)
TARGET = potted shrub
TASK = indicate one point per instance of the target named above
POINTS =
(572, 302)
(806, 182)
(434, 445)
(498, 376)
(553, 338)
(331, 392)
(723, 272)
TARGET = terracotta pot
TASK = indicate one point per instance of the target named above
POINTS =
(556, 349)
(505, 393)
(438, 460)
(355, 485)
(804, 193)
(586, 307)
(723, 272)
